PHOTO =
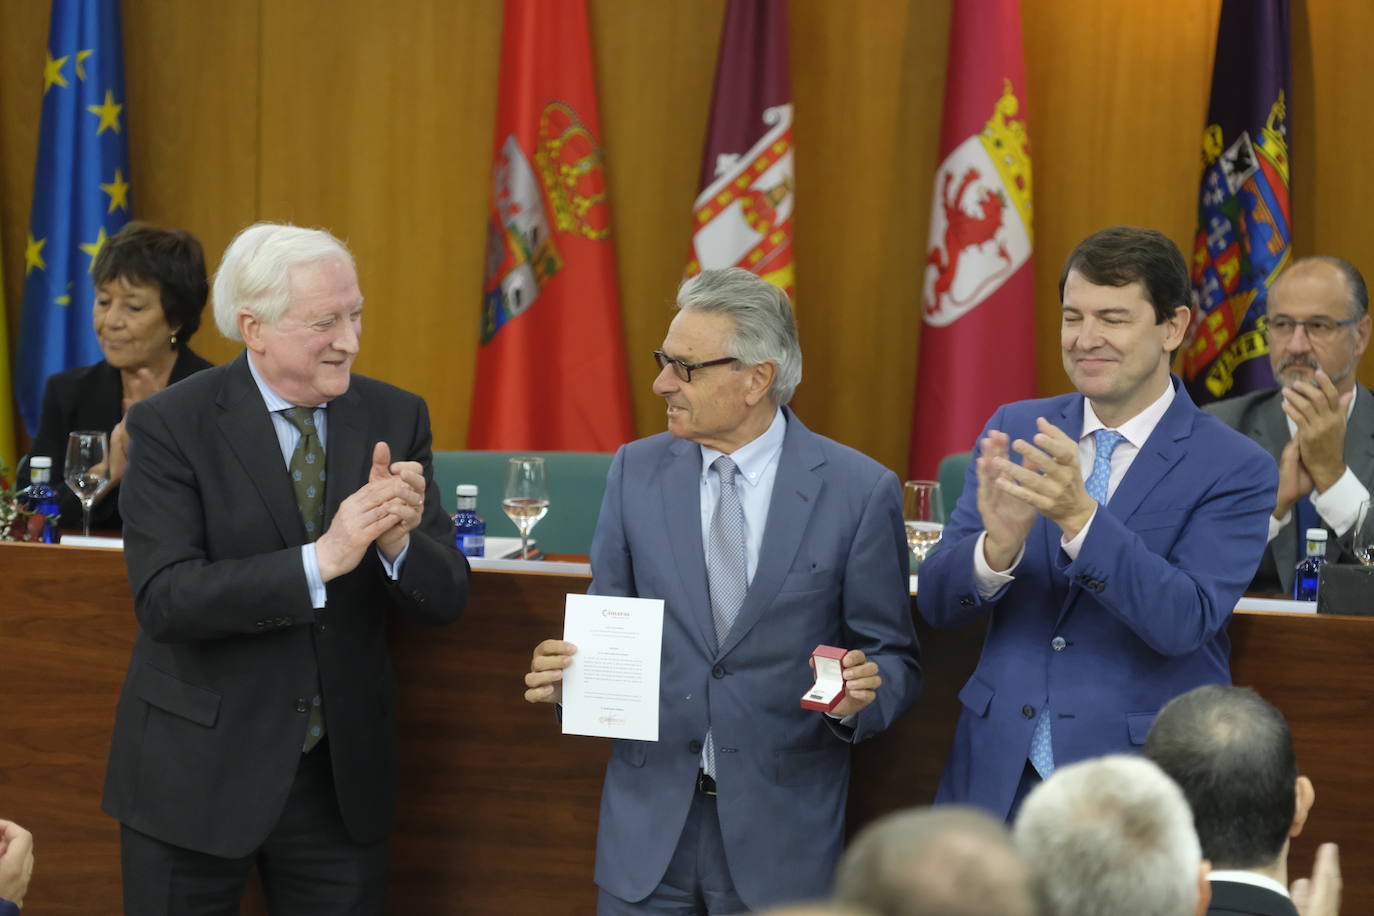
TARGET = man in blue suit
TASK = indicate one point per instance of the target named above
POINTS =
(1107, 534)
(764, 540)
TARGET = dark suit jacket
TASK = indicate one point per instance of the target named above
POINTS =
(1107, 638)
(1235, 899)
(91, 397)
(832, 569)
(1260, 416)
(210, 722)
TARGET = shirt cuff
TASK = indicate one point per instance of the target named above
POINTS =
(1072, 547)
(393, 569)
(987, 580)
(1276, 524)
(1340, 504)
(313, 580)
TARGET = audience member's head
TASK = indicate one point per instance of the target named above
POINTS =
(1109, 836)
(1232, 754)
(946, 861)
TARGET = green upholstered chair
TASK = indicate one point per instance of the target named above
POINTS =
(577, 481)
(951, 476)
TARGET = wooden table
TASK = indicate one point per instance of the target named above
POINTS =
(498, 810)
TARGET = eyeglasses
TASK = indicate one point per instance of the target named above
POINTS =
(1281, 327)
(684, 370)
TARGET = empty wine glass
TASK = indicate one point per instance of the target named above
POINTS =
(526, 498)
(87, 469)
(923, 511)
(1362, 537)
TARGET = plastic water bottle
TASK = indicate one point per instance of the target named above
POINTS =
(39, 497)
(470, 532)
(1308, 572)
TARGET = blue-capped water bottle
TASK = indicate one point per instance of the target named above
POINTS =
(1308, 572)
(470, 531)
(39, 497)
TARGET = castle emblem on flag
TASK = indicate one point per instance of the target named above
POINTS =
(744, 217)
(522, 254)
(1241, 246)
(980, 226)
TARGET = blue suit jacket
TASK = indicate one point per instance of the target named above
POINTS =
(1137, 618)
(831, 570)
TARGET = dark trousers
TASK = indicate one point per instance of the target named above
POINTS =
(309, 865)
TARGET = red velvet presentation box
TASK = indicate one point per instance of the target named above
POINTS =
(828, 690)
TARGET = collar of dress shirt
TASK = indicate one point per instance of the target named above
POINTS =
(1235, 876)
(274, 401)
(752, 457)
(1138, 428)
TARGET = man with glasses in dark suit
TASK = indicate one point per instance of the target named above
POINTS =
(1319, 423)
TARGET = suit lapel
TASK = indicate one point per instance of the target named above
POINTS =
(681, 477)
(1162, 450)
(1070, 422)
(347, 453)
(795, 488)
(1359, 437)
(247, 428)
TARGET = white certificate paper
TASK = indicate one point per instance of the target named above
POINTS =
(611, 688)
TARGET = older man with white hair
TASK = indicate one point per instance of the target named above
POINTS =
(1113, 835)
(276, 510)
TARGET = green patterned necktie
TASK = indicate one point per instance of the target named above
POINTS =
(307, 470)
(307, 478)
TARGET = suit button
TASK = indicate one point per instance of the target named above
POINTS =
(1028, 711)
(287, 621)
(321, 627)
(718, 671)
(1058, 644)
(300, 705)
(966, 601)
(694, 747)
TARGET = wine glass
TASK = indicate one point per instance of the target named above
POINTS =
(923, 511)
(526, 498)
(87, 469)
(1362, 536)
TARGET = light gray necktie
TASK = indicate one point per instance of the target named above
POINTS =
(727, 568)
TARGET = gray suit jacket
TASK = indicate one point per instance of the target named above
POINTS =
(831, 570)
(1260, 416)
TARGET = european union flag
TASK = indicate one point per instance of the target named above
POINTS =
(80, 193)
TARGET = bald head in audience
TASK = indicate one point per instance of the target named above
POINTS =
(946, 861)
(1110, 836)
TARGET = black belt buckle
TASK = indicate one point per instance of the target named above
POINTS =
(706, 785)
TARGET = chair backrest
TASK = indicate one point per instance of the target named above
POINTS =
(953, 467)
(577, 481)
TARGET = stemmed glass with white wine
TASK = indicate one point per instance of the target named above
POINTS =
(923, 511)
(87, 469)
(1362, 537)
(526, 499)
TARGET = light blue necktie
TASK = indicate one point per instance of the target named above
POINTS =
(727, 568)
(1041, 748)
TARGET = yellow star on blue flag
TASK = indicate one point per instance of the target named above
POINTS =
(77, 206)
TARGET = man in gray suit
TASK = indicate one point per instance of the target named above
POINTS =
(1319, 424)
(764, 540)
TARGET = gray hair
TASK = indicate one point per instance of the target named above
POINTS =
(945, 861)
(1111, 835)
(255, 273)
(765, 328)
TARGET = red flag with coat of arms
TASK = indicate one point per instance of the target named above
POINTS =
(551, 366)
(742, 216)
(978, 297)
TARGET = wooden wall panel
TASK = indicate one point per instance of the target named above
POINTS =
(375, 120)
